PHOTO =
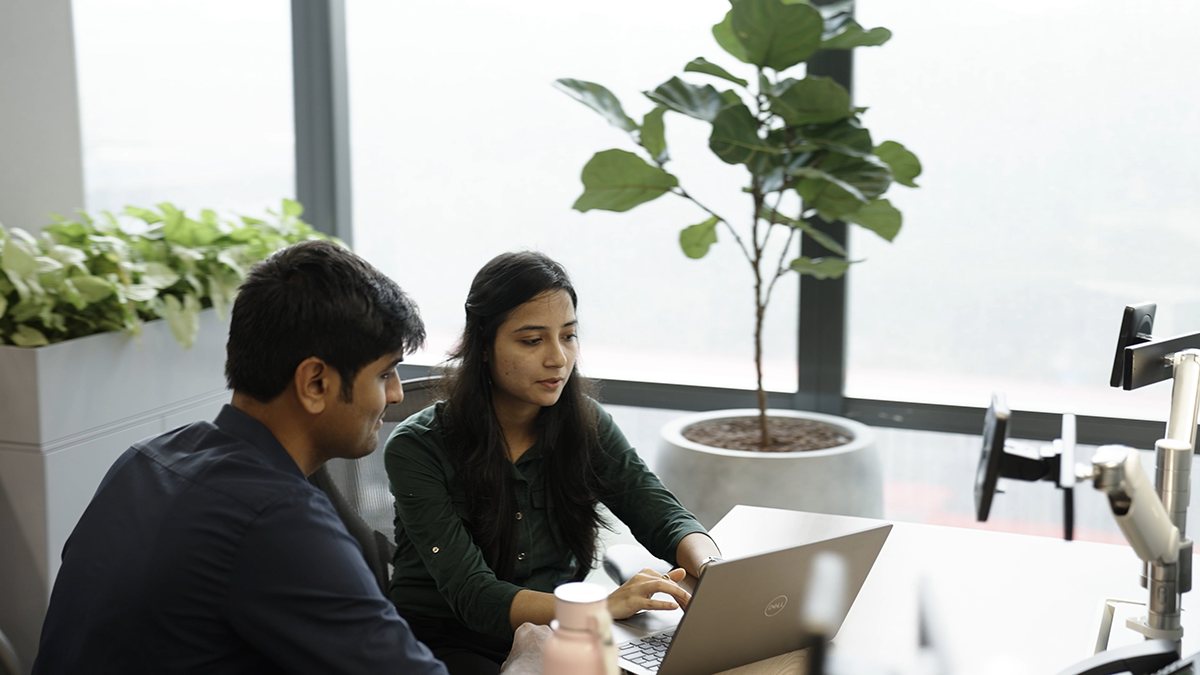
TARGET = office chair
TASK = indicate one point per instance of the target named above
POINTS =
(359, 489)
(9, 663)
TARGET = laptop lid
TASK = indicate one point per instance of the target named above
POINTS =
(749, 609)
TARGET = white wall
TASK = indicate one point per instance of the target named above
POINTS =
(41, 165)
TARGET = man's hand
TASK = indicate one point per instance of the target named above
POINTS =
(635, 595)
(526, 655)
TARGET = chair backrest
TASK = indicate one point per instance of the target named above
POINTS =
(9, 663)
(359, 488)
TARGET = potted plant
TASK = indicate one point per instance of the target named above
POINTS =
(808, 160)
(92, 275)
(86, 370)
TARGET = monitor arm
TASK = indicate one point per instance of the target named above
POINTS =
(1117, 472)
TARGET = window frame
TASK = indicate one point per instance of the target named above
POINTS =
(324, 187)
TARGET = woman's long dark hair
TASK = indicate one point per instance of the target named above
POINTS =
(567, 430)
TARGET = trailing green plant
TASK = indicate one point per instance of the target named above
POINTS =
(795, 137)
(93, 275)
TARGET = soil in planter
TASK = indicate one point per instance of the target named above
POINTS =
(788, 434)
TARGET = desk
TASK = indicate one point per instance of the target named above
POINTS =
(1005, 603)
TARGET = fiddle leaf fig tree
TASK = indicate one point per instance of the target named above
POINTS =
(808, 158)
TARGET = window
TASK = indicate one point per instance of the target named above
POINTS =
(1060, 143)
(188, 101)
(462, 149)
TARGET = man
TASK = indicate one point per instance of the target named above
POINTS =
(205, 549)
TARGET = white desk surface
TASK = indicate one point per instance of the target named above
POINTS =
(1004, 603)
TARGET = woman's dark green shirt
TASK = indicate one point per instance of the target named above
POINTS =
(440, 572)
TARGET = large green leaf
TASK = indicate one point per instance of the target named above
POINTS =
(811, 231)
(817, 176)
(139, 292)
(222, 291)
(904, 164)
(813, 100)
(69, 257)
(843, 32)
(147, 215)
(93, 288)
(227, 258)
(24, 292)
(597, 98)
(20, 255)
(701, 102)
(855, 36)
(847, 184)
(774, 173)
(616, 180)
(183, 318)
(158, 275)
(700, 65)
(735, 137)
(695, 240)
(49, 270)
(66, 232)
(29, 307)
(870, 175)
(292, 208)
(184, 231)
(879, 217)
(67, 293)
(821, 268)
(653, 135)
(844, 136)
(776, 35)
(28, 336)
(723, 32)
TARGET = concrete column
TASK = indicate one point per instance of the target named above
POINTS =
(41, 151)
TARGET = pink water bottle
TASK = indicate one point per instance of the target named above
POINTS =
(582, 642)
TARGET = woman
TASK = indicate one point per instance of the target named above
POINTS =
(497, 487)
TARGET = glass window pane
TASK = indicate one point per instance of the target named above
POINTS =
(1060, 143)
(188, 101)
(462, 149)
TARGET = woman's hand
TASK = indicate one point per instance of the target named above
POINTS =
(634, 595)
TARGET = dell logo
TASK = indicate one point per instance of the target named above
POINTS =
(776, 606)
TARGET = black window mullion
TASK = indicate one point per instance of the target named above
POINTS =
(320, 93)
(821, 343)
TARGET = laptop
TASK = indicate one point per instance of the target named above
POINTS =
(749, 609)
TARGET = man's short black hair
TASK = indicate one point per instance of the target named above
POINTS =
(315, 298)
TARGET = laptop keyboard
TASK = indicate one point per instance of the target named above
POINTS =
(647, 652)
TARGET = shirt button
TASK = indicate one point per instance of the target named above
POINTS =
(521, 555)
(518, 515)
(436, 549)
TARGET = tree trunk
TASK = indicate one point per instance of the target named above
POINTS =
(760, 311)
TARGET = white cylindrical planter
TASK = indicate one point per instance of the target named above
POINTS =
(846, 480)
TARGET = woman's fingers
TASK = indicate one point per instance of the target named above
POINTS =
(672, 589)
(636, 594)
(659, 604)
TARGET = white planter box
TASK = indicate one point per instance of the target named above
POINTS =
(67, 411)
(846, 480)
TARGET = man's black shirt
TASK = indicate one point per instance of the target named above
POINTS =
(206, 550)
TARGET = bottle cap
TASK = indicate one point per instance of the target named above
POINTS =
(577, 602)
